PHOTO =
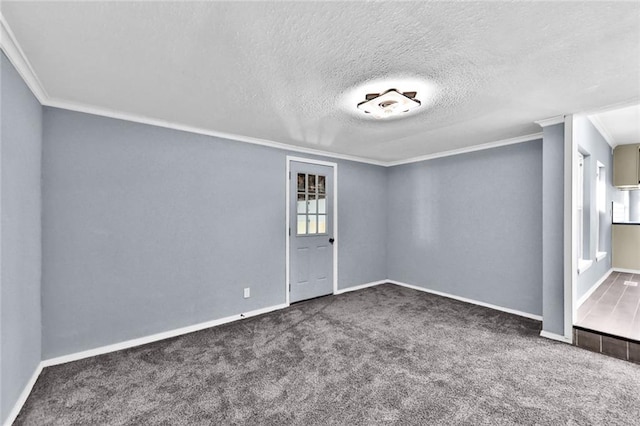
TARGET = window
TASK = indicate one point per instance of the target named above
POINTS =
(580, 206)
(312, 205)
(601, 213)
(583, 214)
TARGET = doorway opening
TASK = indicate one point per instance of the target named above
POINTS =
(606, 237)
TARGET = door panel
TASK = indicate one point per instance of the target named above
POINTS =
(303, 265)
(311, 212)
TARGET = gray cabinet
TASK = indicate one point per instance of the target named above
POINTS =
(626, 247)
(626, 166)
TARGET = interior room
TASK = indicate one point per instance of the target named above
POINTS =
(319, 212)
(608, 212)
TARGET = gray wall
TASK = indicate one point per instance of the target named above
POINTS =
(20, 154)
(362, 250)
(470, 225)
(590, 141)
(553, 229)
(147, 229)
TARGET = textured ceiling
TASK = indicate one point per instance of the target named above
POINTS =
(285, 71)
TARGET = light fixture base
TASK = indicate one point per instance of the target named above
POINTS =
(389, 104)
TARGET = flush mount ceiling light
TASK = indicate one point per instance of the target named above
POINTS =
(404, 95)
(389, 104)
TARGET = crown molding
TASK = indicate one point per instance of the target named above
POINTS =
(602, 129)
(136, 118)
(482, 147)
(16, 56)
(550, 121)
(87, 109)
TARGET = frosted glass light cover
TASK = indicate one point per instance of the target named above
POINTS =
(388, 104)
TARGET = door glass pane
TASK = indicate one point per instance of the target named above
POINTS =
(312, 203)
(302, 224)
(312, 183)
(321, 184)
(322, 224)
(322, 204)
(302, 204)
(312, 224)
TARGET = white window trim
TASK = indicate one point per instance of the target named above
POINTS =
(580, 206)
(601, 255)
(601, 203)
(583, 265)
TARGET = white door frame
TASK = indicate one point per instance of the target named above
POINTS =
(570, 227)
(570, 275)
(334, 246)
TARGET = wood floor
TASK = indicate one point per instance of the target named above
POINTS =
(614, 308)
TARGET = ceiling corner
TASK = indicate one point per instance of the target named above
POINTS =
(550, 121)
(16, 56)
(600, 127)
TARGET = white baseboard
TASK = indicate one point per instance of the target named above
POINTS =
(593, 288)
(556, 337)
(23, 396)
(464, 299)
(628, 271)
(125, 345)
(360, 287)
(196, 327)
(156, 337)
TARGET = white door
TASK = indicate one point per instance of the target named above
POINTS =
(311, 231)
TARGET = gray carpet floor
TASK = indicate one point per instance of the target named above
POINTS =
(383, 355)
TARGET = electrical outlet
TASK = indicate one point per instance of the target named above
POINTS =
(247, 292)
